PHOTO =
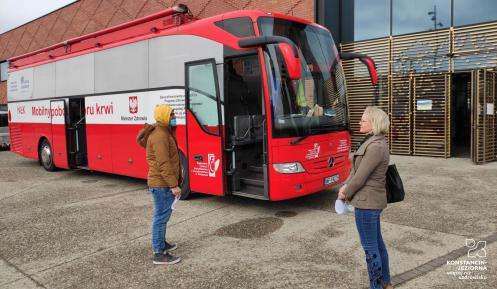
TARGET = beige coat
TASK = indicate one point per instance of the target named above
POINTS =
(163, 159)
(366, 183)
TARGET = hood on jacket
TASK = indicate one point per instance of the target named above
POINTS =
(162, 114)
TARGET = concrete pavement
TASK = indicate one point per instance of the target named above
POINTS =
(77, 229)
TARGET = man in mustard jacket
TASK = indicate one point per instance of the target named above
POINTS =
(162, 180)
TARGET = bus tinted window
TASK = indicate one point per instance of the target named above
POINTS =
(240, 27)
(3, 119)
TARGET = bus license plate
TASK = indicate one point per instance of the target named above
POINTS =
(331, 180)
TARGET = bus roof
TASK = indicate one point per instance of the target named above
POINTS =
(167, 22)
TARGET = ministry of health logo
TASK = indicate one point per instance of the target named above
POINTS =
(133, 104)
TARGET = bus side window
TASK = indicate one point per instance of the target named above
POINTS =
(3, 119)
(203, 96)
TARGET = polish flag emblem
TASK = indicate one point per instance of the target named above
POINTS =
(133, 104)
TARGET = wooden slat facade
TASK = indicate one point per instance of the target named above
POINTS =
(359, 88)
(484, 100)
(419, 67)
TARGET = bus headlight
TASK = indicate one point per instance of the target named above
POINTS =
(289, 168)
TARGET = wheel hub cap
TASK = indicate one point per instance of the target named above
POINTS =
(45, 156)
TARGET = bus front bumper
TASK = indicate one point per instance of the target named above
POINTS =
(288, 186)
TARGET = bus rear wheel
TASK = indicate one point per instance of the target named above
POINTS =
(185, 180)
(46, 156)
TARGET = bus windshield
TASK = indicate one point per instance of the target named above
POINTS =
(315, 104)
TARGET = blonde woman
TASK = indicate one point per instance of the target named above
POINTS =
(365, 189)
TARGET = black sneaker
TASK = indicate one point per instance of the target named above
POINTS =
(170, 247)
(166, 259)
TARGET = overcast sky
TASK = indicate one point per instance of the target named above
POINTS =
(14, 13)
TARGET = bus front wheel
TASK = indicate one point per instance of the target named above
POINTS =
(46, 156)
(185, 180)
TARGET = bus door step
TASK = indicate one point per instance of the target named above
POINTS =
(256, 169)
(252, 180)
(253, 192)
(82, 167)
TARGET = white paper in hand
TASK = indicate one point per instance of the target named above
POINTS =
(174, 203)
(343, 208)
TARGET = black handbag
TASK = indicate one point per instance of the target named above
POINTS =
(394, 186)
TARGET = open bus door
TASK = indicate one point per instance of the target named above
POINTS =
(78, 155)
(59, 130)
(204, 130)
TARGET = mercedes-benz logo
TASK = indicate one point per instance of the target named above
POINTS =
(331, 162)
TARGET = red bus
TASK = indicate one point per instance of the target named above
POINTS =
(260, 101)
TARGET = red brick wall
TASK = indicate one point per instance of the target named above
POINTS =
(88, 16)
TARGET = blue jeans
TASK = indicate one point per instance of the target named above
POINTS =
(368, 226)
(163, 199)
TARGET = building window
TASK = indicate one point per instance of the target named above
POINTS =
(421, 15)
(371, 19)
(4, 70)
(474, 11)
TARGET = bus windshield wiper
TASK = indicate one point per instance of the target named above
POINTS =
(317, 129)
(296, 141)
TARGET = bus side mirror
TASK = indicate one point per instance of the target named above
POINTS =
(366, 60)
(292, 63)
(288, 50)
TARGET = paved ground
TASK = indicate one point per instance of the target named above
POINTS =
(76, 229)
